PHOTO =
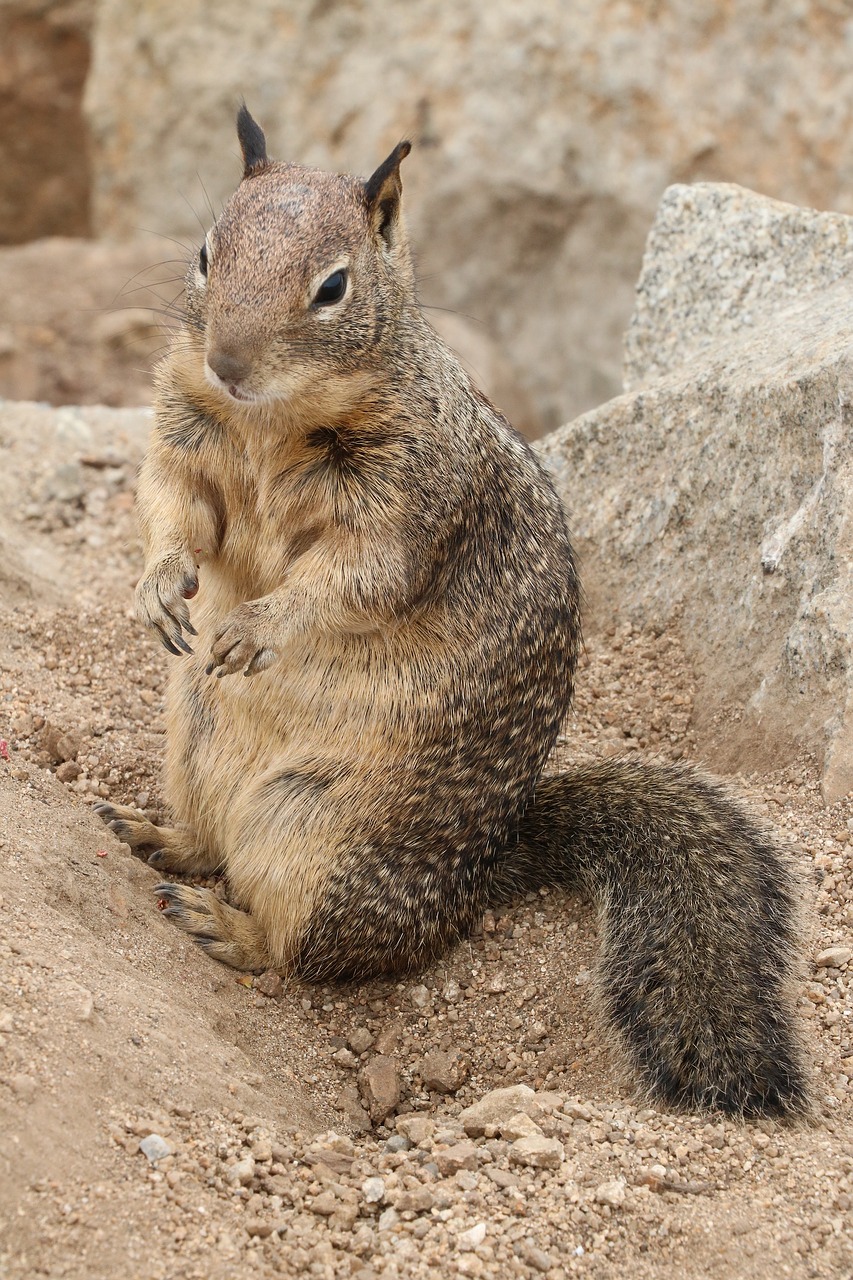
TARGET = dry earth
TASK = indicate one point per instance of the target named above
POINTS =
(162, 1116)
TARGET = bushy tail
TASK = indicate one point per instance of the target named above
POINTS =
(698, 916)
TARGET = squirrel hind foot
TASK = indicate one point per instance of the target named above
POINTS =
(228, 935)
(129, 825)
(175, 849)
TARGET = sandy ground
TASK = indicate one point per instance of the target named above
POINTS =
(118, 1036)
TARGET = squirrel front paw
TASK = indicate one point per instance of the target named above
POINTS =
(161, 599)
(245, 641)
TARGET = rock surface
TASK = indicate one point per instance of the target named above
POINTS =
(379, 1082)
(154, 1147)
(545, 135)
(720, 262)
(443, 1072)
(718, 499)
(537, 1153)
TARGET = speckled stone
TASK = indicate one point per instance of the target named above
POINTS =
(716, 497)
(720, 261)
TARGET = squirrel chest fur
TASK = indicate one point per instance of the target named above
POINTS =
(381, 650)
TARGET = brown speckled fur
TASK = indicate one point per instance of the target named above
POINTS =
(385, 638)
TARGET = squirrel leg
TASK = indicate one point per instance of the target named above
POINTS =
(231, 936)
(173, 849)
(279, 837)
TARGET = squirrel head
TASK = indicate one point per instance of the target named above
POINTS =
(299, 280)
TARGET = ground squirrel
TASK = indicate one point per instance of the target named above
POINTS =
(384, 558)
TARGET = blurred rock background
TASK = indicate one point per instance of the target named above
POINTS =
(546, 134)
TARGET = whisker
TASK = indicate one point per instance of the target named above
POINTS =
(167, 307)
(156, 266)
(451, 311)
(180, 317)
(188, 249)
(147, 288)
(151, 356)
(194, 212)
(206, 196)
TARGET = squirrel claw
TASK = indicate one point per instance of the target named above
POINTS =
(166, 642)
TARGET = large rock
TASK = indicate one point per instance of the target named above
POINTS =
(718, 499)
(720, 262)
(546, 134)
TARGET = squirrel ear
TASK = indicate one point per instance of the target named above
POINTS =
(383, 191)
(253, 144)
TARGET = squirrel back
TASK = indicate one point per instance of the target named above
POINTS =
(385, 560)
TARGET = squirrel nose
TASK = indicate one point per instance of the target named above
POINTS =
(229, 366)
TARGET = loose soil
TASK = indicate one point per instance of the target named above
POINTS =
(163, 1116)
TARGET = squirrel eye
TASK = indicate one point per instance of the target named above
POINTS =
(331, 290)
(202, 259)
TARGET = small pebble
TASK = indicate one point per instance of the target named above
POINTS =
(259, 1229)
(536, 1257)
(520, 1126)
(242, 1172)
(537, 1153)
(388, 1219)
(470, 1239)
(379, 1084)
(443, 1072)
(262, 1150)
(373, 1190)
(270, 984)
(419, 996)
(495, 1107)
(324, 1204)
(417, 1128)
(154, 1147)
(360, 1040)
(398, 1142)
(611, 1193)
(462, 1155)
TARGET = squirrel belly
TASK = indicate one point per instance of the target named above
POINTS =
(384, 634)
